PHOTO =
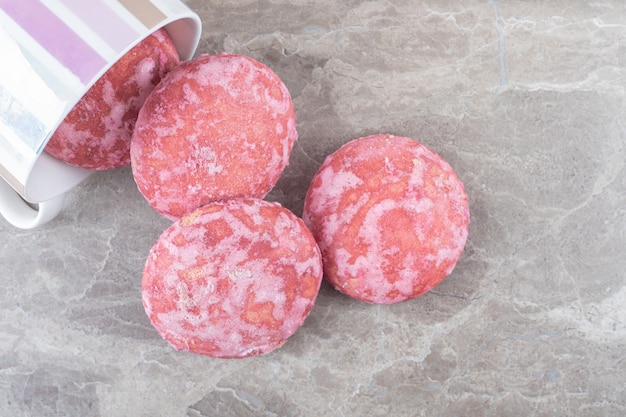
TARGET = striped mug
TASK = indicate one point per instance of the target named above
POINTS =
(53, 51)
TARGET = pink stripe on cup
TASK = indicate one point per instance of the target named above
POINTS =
(56, 37)
(105, 22)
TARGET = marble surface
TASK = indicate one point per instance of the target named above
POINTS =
(525, 99)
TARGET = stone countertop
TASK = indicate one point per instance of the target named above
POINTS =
(524, 99)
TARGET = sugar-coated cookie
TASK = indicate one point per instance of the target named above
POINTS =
(390, 217)
(216, 127)
(232, 279)
(96, 133)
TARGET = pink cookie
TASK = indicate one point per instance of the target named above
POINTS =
(232, 279)
(96, 133)
(390, 217)
(217, 127)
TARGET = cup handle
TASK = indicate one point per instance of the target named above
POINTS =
(20, 214)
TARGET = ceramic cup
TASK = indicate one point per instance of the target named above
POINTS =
(52, 53)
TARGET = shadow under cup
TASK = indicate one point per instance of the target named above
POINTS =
(56, 52)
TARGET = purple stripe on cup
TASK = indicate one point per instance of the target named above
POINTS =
(105, 22)
(56, 37)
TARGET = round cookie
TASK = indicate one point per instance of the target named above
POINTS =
(232, 279)
(96, 132)
(390, 217)
(216, 127)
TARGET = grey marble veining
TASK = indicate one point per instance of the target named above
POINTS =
(525, 99)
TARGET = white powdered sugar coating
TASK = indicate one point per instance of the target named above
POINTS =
(236, 278)
(390, 217)
(141, 80)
